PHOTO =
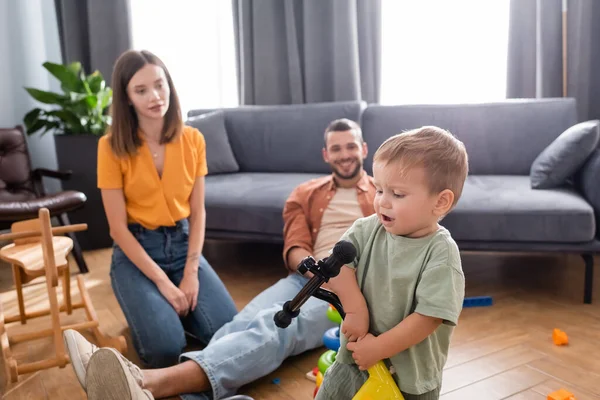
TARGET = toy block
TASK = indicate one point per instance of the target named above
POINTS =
(561, 394)
(312, 375)
(478, 301)
(559, 337)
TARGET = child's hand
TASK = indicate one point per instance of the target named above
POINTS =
(356, 325)
(365, 351)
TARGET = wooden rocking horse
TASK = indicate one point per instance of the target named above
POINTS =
(39, 250)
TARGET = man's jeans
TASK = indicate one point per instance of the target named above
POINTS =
(252, 346)
(156, 329)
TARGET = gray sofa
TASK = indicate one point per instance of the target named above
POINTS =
(258, 154)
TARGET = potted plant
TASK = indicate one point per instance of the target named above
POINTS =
(82, 108)
(78, 118)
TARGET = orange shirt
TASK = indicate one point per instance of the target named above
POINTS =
(151, 200)
(304, 208)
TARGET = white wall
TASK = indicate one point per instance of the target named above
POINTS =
(28, 38)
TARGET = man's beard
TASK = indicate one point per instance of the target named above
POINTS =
(352, 174)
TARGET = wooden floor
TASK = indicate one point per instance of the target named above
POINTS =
(500, 352)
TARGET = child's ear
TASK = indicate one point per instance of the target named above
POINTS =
(444, 202)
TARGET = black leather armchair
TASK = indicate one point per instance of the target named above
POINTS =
(22, 192)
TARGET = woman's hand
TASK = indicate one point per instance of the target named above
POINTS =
(190, 286)
(175, 296)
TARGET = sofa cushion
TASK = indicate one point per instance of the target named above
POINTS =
(586, 181)
(219, 156)
(283, 138)
(563, 157)
(249, 202)
(506, 208)
(502, 138)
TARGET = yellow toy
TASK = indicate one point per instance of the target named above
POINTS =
(380, 385)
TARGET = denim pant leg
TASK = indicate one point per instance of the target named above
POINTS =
(156, 329)
(215, 305)
(252, 346)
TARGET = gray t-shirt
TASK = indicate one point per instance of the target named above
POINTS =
(404, 276)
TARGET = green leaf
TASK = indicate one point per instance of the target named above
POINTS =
(86, 86)
(75, 67)
(106, 99)
(31, 117)
(37, 125)
(92, 101)
(68, 117)
(50, 125)
(96, 82)
(45, 97)
(67, 78)
(77, 97)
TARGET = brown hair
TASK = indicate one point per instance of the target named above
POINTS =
(443, 157)
(343, 125)
(124, 140)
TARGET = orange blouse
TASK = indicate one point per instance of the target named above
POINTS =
(151, 200)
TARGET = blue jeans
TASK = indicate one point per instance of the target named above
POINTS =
(252, 346)
(156, 328)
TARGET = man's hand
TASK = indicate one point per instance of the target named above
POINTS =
(366, 351)
(295, 257)
(356, 325)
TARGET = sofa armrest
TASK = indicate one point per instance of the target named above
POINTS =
(587, 184)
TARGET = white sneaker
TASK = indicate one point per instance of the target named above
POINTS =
(80, 351)
(111, 377)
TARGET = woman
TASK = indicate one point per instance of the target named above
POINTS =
(151, 172)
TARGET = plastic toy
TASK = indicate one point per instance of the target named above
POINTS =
(380, 384)
(331, 340)
(477, 301)
(561, 394)
(312, 375)
(559, 337)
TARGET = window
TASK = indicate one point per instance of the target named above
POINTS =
(440, 51)
(195, 39)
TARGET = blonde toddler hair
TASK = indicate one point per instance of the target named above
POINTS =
(442, 155)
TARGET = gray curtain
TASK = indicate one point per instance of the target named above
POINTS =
(28, 38)
(306, 51)
(535, 52)
(94, 32)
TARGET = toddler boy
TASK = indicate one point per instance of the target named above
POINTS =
(404, 292)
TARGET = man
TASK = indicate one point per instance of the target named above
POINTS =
(251, 346)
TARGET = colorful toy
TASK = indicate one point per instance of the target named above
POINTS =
(561, 394)
(312, 375)
(331, 340)
(559, 337)
(380, 384)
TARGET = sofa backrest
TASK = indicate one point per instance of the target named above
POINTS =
(502, 138)
(283, 138)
